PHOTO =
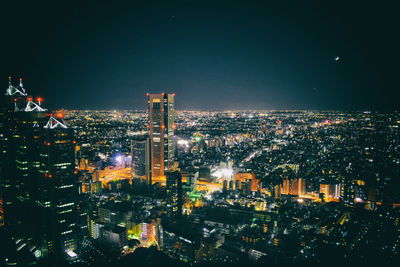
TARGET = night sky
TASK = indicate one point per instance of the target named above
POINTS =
(225, 55)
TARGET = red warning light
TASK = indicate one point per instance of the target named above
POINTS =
(148, 94)
(148, 126)
(29, 98)
(74, 142)
(60, 115)
(50, 175)
(39, 99)
(162, 126)
(162, 93)
(15, 100)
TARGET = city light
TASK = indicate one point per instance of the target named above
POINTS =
(223, 173)
(182, 142)
(281, 146)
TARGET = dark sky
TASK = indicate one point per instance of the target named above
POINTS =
(213, 55)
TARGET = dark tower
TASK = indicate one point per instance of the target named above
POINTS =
(37, 179)
(174, 194)
(58, 188)
(21, 120)
(141, 161)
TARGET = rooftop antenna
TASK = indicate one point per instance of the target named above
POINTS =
(12, 90)
(15, 105)
(32, 106)
(9, 89)
(21, 85)
(54, 123)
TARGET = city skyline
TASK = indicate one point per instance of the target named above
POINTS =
(196, 188)
(214, 56)
(199, 133)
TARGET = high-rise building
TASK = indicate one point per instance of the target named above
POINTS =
(38, 180)
(347, 191)
(331, 191)
(174, 193)
(277, 191)
(58, 187)
(161, 128)
(141, 161)
(224, 185)
(21, 123)
(113, 236)
(285, 186)
(348, 186)
(191, 177)
(294, 186)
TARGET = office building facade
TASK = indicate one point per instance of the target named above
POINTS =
(174, 194)
(161, 129)
(141, 161)
(38, 179)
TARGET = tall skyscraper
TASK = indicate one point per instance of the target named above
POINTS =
(141, 161)
(348, 187)
(347, 191)
(161, 128)
(37, 175)
(174, 193)
(21, 120)
(58, 191)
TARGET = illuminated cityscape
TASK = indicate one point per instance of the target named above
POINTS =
(199, 134)
(243, 187)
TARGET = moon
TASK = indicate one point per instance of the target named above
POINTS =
(337, 58)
